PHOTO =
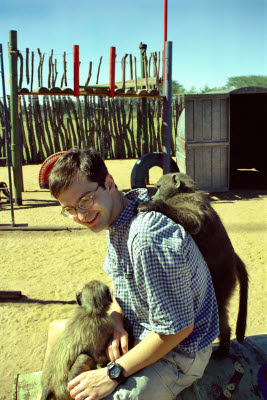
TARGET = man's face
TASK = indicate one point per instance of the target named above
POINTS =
(101, 215)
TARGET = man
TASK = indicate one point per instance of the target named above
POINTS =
(163, 292)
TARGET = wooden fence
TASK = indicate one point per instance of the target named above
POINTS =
(49, 124)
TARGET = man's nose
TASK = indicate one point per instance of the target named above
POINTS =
(82, 214)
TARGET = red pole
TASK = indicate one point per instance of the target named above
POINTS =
(165, 23)
(76, 67)
(112, 71)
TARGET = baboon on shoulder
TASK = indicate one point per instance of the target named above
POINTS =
(81, 346)
(178, 199)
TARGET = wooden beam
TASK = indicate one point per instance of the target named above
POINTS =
(131, 83)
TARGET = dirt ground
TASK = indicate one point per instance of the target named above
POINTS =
(50, 266)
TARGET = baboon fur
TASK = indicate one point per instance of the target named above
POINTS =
(81, 346)
(178, 199)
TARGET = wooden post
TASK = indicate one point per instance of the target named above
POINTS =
(165, 22)
(167, 109)
(144, 150)
(76, 66)
(14, 117)
(112, 58)
(7, 141)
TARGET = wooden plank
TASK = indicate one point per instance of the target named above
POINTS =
(181, 154)
(118, 93)
(181, 133)
(216, 119)
(131, 83)
(198, 120)
(224, 119)
(101, 90)
(225, 167)
(220, 170)
(181, 162)
(207, 134)
(198, 96)
(190, 163)
(189, 120)
(216, 167)
(207, 144)
(88, 90)
(203, 167)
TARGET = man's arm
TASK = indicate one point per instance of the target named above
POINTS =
(151, 349)
(120, 336)
(97, 384)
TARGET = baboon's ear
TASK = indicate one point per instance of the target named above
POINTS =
(176, 181)
(79, 298)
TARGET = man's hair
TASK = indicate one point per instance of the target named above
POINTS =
(74, 161)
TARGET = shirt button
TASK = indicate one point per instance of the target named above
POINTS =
(118, 291)
(114, 262)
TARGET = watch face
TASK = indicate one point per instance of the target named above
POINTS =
(115, 371)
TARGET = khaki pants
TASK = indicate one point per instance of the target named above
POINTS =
(164, 379)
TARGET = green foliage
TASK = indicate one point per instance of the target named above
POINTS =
(192, 90)
(249, 80)
(232, 83)
(207, 89)
(177, 88)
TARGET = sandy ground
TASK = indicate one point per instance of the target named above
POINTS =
(50, 266)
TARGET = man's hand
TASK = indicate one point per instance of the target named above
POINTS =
(117, 343)
(91, 385)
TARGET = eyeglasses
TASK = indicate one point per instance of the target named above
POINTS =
(85, 203)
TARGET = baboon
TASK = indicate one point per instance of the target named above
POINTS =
(178, 199)
(81, 346)
(4, 189)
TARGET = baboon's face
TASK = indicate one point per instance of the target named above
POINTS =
(95, 296)
(171, 184)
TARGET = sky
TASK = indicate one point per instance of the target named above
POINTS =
(211, 39)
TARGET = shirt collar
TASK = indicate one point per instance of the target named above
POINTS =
(136, 196)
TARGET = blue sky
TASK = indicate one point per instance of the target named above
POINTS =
(212, 39)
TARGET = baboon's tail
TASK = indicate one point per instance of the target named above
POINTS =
(243, 299)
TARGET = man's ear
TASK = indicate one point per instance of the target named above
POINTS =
(110, 184)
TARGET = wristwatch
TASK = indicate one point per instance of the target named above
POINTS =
(115, 372)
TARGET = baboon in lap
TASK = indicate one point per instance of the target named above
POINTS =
(178, 199)
(81, 346)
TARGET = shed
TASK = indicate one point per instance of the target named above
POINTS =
(222, 134)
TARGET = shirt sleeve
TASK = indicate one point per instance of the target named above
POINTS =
(164, 282)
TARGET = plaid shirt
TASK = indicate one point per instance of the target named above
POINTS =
(160, 278)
